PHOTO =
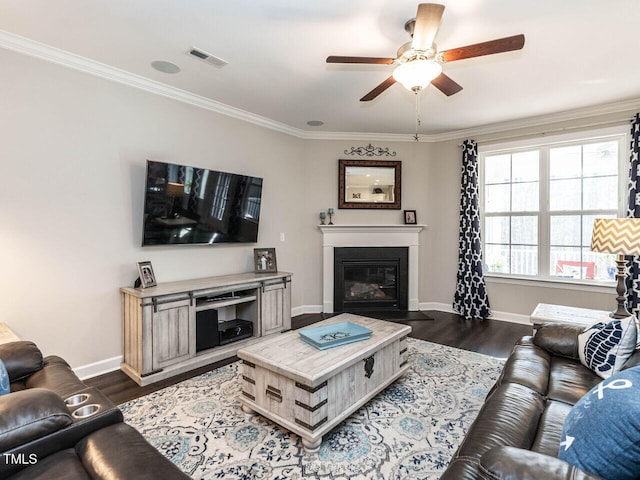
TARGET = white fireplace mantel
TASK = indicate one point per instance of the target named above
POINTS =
(369, 236)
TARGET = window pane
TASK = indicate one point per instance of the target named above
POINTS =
(605, 264)
(565, 230)
(524, 230)
(525, 166)
(580, 181)
(496, 230)
(564, 195)
(565, 162)
(524, 260)
(600, 159)
(566, 263)
(601, 193)
(496, 258)
(497, 198)
(525, 197)
(587, 227)
(497, 169)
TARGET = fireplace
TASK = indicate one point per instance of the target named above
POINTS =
(342, 236)
(370, 278)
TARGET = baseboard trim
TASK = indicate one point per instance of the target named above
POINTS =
(98, 368)
(501, 316)
(306, 309)
(441, 307)
(511, 317)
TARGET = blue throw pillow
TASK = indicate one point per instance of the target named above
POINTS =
(604, 347)
(601, 433)
(4, 379)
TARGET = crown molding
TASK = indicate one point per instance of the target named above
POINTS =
(584, 113)
(50, 54)
(363, 136)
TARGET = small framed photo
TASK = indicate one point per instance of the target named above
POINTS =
(410, 217)
(264, 260)
(147, 278)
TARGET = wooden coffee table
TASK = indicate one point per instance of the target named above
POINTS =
(309, 391)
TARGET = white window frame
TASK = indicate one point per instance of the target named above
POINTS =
(545, 143)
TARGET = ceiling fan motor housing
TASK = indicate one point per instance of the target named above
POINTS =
(406, 53)
(410, 26)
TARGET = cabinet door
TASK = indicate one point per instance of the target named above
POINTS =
(275, 306)
(171, 333)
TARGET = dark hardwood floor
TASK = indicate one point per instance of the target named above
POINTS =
(491, 337)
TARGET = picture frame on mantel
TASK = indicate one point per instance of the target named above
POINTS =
(369, 184)
(410, 217)
(264, 260)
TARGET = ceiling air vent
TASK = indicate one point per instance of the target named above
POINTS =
(207, 57)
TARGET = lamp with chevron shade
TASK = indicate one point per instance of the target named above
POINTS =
(620, 236)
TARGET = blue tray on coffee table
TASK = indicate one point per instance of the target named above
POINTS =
(329, 336)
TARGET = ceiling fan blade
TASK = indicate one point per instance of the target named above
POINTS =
(500, 45)
(378, 90)
(427, 24)
(374, 60)
(446, 85)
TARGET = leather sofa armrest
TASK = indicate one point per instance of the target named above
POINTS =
(30, 414)
(67, 437)
(119, 452)
(510, 463)
(21, 359)
(559, 339)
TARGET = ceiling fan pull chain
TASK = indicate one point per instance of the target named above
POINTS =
(417, 116)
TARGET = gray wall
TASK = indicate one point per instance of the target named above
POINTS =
(73, 155)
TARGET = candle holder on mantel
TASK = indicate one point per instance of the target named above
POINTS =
(322, 217)
(330, 212)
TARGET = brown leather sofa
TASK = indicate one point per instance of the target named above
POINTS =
(516, 435)
(52, 426)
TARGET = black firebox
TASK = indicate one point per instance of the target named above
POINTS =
(371, 278)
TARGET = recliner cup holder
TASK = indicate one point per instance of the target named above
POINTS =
(86, 411)
(78, 399)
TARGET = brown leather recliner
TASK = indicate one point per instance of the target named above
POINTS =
(52, 426)
(516, 435)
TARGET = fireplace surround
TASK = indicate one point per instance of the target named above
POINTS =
(337, 236)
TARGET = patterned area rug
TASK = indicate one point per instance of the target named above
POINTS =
(409, 431)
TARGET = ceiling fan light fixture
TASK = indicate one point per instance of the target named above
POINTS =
(417, 74)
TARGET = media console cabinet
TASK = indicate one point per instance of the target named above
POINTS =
(178, 326)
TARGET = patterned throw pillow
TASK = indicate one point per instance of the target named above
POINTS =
(4, 379)
(604, 347)
(601, 433)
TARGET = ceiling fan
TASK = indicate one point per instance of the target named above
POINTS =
(419, 62)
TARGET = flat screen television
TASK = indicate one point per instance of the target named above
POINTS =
(189, 205)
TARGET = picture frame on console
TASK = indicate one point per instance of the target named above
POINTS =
(147, 277)
(410, 217)
(264, 260)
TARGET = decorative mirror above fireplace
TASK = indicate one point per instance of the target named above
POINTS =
(369, 184)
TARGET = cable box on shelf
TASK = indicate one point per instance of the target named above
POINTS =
(216, 298)
(234, 330)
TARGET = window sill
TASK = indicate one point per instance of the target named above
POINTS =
(599, 287)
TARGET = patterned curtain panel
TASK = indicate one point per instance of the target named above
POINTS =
(471, 300)
(633, 211)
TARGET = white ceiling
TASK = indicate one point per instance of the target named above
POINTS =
(578, 53)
